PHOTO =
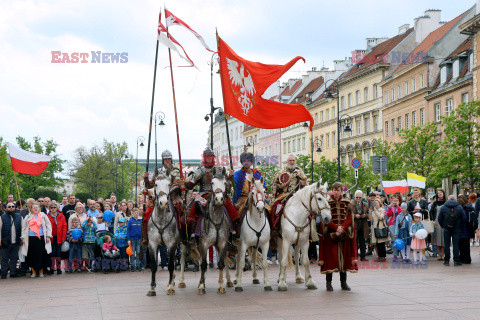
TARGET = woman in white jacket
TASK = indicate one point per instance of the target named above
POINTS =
(36, 236)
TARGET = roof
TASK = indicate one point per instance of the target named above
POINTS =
(377, 55)
(309, 90)
(464, 46)
(289, 91)
(332, 88)
(421, 51)
(248, 127)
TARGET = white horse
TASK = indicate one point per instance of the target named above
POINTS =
(162, 230)
(303, 206)
(255, 233)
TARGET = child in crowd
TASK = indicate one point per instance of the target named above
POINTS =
(402, 231)
(134, 237)
(75, 251)
(89, 227)
(108, 248)
(121, 238)
(101, 224)
(417, 244)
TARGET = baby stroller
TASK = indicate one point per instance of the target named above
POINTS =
(110, 261)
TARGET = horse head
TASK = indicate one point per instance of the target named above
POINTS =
(219, 182)
(257, 192)
(321, 201)
(162, 189)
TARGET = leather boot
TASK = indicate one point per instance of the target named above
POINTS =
(329, 286)
(343, 281)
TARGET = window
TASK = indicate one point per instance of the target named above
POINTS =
(359, 127)
(327, 114)
(393, 127)
(289, 150)
(256, 139)
(298, 144)
(448, 107)
(316, 117)
(365, 93)
(328, 141)
(375, 123)
(465, 97)
(421, 81)
(357, 96)
(321, 142)
(367, 125)
(375, 91)
(393, 94)
(399, 123)
(414, 87)
(414, 118)
(366, 157)
(334, 139)
(399, 91)
(276, 148)
(349, 100)
(333, 112)
(342, 102)
(456, 69)
(284, 147)
(406, 88)
(386, 128)
(437, 112)
(303, 143)
(407, 121)
(422, 116)
(236, 133)
(321, 116)
(294, 146)
(385, 96)
(443, 74)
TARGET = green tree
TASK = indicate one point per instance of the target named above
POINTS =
(461, 147)
(327, 170)
(100, 171)
(268, 173)
(366, 178)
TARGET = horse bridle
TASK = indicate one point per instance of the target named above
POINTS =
(310, 211)
(257, 233)
(161, 230)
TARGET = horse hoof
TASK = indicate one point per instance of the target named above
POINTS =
(299, 280)
(234, 281)
(151, 293)
(170, 292)
(238, 289)
(267, 288)
(221, 291)
(282, 288)
(201, 291)
(256, 281)
(182, 285)
(312, 287)
(229, 284)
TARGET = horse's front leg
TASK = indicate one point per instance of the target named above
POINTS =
(221, 265)
(266, 283)
(254, 265)
(203, 266)
(282, 285)
(227, 272)
(181, 283)
(171, 269)
(296, 259)
(240, 266)
(309, 283)
(152, 250)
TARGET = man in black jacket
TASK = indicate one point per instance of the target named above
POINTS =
(11, 230)
(417, 201)
(451, 218)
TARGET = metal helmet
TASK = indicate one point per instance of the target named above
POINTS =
(208, 151)
(166, 155)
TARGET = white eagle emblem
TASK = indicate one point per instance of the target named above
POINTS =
(247, 89)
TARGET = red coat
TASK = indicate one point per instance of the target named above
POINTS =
(59, 229)
(146, 217)
(338, 256)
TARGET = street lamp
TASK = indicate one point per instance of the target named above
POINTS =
(251, 143)
(209, 116)
(317, 146)
(123, 177)
(140, 141)
(159, 116)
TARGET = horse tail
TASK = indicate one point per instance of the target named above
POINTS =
(290, 260)
(195, 254)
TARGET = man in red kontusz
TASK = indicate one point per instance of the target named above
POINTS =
(338, 245)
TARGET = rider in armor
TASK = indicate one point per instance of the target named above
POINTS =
(286, 183)
(203, 178)
(175, 194)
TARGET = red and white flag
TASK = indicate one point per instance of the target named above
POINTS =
(392, 187)
(27, 162)
(166, 38)
(171, 19)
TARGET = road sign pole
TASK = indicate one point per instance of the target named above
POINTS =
(381, 180)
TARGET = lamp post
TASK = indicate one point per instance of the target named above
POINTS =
(209, 116)
(123, 177)
(329, 97)
(315, 145)
(3, 189)
(251, 143)
(159, 116)
(140, 141)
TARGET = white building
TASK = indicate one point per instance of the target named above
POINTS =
(220, 145)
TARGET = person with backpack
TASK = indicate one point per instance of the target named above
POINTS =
(468, 230)
(451, 218)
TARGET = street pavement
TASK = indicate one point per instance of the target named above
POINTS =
(378, 292)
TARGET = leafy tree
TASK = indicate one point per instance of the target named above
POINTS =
(461, 147)
(366, 178)
(327, 170)
(268, 173)
(43, 192)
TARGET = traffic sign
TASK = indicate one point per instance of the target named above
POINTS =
(356, 163)
(380, 164)
(356, 173)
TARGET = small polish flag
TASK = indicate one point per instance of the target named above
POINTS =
(27, 162)
(392, 187)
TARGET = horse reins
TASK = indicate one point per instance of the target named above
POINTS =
(257, 233)
(161, 230)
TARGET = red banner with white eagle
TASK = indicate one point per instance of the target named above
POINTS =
(244, 82)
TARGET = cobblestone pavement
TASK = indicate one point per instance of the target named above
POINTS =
(378, 292)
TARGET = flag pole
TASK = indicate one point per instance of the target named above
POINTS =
(18, 191)
(175, 107)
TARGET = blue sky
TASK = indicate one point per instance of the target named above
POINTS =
(80, 104)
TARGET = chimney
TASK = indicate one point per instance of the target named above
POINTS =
(402, 29)
(424, 25)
